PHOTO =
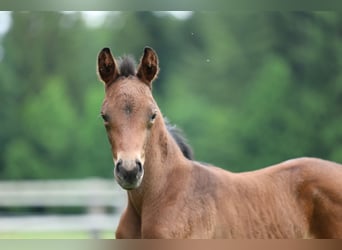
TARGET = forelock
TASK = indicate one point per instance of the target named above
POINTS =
(127, 66)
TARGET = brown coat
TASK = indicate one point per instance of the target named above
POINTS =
(170, 196)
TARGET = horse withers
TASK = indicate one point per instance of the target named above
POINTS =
(172, 196)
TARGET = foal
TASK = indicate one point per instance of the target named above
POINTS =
(171, 196)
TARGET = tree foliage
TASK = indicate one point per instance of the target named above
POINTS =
(249, 89)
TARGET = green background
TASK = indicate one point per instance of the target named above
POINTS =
(248, 89)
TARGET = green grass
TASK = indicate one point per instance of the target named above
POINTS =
(54, 235)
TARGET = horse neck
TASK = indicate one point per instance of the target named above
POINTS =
(162, 157)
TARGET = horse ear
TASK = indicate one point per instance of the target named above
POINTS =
(106, 66)
(148, 67)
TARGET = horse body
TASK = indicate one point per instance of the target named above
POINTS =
(171, 196)
(281, 201)
(293, 199)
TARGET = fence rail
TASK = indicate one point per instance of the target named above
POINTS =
(94, 194)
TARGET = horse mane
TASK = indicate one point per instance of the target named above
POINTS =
(180, 139)
(127, 66)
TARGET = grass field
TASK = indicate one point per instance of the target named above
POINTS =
(54, 235)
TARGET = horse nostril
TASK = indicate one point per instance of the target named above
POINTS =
(139, 165)
(119, 165)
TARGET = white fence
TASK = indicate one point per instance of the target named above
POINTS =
(96, 195)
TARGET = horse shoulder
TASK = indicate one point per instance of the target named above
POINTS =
(187, 208)
(129, 225)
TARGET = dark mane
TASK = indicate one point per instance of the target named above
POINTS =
(177, 134)
(127, 66)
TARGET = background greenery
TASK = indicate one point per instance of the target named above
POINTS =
(249, 89)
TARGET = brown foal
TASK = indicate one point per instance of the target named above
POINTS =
(172, 196)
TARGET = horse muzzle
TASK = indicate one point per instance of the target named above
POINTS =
(129, 173)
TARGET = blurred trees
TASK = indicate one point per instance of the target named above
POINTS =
(248, 89)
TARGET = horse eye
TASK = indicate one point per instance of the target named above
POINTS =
(105, 117)
(153, 117)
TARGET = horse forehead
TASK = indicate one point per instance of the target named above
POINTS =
(128, 94)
